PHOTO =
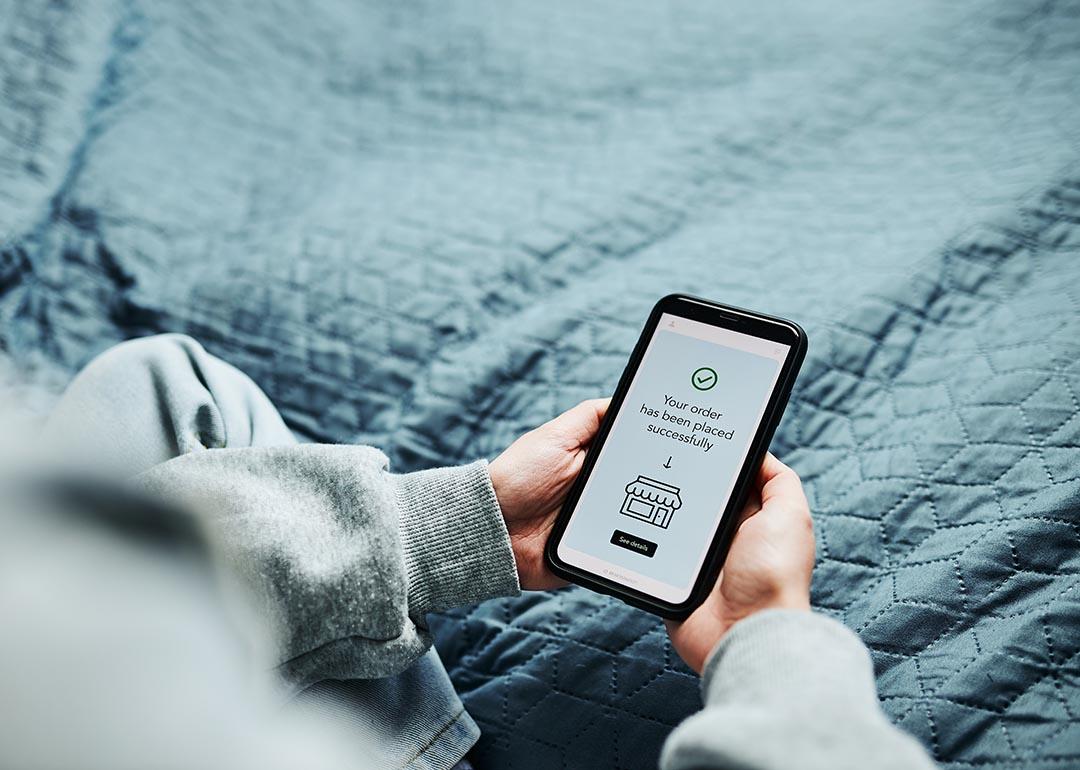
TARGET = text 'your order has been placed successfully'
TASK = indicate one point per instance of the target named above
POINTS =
(671, 457)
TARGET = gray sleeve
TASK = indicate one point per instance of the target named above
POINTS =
(343, 557)
(790, 689)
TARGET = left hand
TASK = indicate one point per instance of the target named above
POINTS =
(531, 479)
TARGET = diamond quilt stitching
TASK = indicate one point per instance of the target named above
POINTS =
(431, 228)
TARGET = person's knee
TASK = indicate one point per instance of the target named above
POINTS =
(143, 354)
(131, 407)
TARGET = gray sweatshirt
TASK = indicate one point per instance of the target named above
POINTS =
(348, 557)
(120, 650)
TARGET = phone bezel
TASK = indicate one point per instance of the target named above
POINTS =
(726, 317)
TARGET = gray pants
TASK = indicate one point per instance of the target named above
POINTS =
(147, 401)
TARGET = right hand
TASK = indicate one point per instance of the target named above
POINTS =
(768, 566)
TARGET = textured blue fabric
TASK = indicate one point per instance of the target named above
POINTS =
(431, 226)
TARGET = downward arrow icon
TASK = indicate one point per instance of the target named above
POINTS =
(668, 463)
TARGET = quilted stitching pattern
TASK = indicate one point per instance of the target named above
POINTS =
(937, 431)
(432, 227)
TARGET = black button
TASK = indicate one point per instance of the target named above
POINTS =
(633, 543)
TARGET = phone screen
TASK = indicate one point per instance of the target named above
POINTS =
(663, 478)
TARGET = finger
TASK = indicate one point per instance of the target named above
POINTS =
(780, 483)
(770, 466)
(753, 503)
(751, 506)
(580, 423)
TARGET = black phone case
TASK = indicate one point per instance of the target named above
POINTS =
(733, 318)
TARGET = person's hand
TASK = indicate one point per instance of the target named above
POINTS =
(768, 566)
(531, 479)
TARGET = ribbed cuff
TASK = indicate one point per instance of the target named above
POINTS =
(457, 550)
(775, 655)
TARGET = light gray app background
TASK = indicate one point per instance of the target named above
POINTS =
(668, 465)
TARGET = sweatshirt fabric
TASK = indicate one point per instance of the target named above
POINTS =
(788, 689)
(344, 559)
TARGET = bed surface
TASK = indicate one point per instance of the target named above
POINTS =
(431, 227)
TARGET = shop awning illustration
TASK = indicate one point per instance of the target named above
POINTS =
(651, 501)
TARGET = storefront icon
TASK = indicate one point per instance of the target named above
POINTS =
(651, 501)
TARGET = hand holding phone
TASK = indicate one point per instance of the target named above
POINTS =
(531, 479)
(768, 567)
(651, 516)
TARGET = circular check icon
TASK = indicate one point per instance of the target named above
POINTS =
(704, 378)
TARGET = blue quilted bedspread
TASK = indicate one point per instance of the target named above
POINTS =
(431, 226)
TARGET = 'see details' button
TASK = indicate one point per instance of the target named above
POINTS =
(633, 543)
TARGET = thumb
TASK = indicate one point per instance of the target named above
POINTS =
(578, 426)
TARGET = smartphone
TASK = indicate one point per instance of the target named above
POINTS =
(650, 517)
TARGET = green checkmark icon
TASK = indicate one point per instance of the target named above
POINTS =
(704, 378)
